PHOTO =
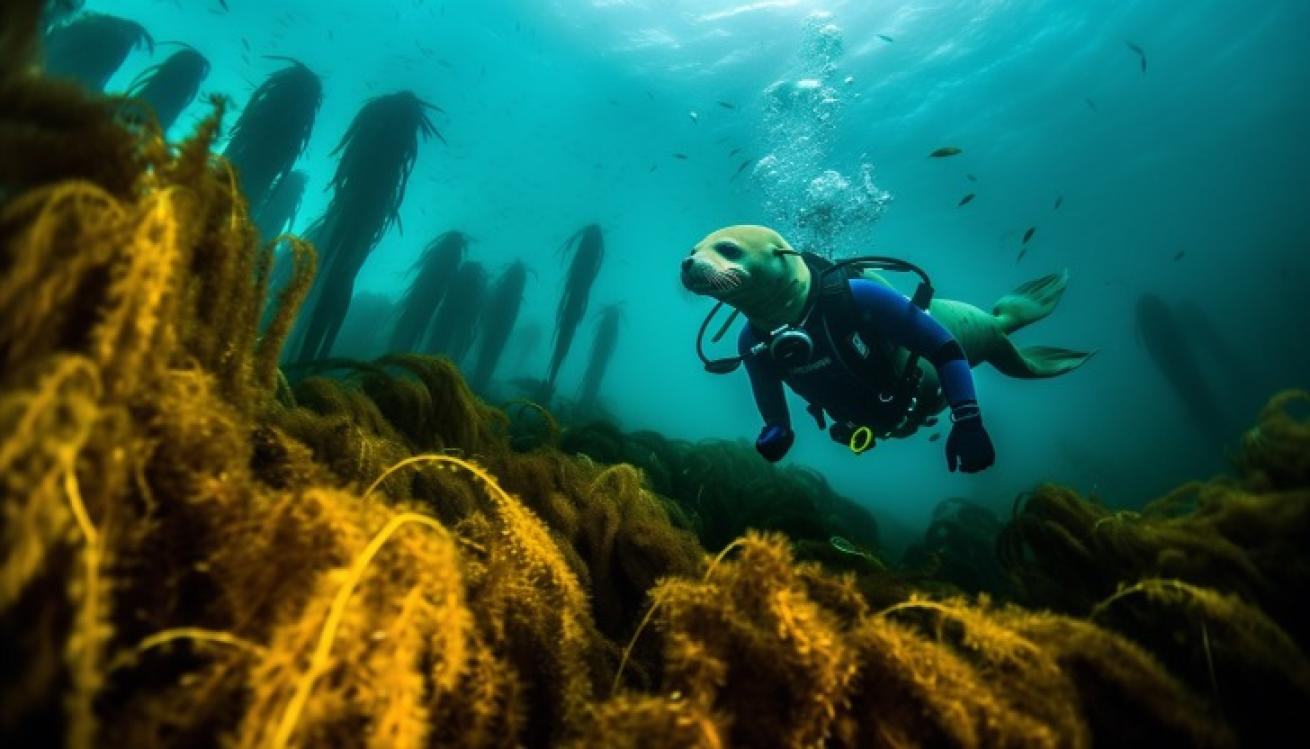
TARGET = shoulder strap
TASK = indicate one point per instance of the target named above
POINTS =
(870, 361)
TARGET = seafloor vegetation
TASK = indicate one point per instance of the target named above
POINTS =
(199, 551)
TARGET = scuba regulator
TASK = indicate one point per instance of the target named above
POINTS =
(789, 345)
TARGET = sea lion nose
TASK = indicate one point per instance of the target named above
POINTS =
(686, 264)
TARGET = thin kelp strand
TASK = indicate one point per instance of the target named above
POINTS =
(318, 663)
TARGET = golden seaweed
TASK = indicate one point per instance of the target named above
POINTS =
(200, 549)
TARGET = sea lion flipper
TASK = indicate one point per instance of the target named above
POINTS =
(1031, 301)
(1036, 362)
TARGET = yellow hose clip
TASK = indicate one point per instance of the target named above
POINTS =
(861, 440)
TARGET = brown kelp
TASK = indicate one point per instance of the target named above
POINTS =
(765, 651)
(455, 324)
(1212, 577)
(723, 488)
(273, 130)
(90, 48)
(168, 87)
(1235, 536)
(959, 549)
(602, 351)
(499, 314)
(277, 214)
(434, 270)
(19, 37)
(588, 253)
(376, 154)
(197, 552)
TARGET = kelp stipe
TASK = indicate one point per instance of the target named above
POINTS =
(602, 351)
(434, 272)
(497, 324)
(588, 254)
(455, 323)
(278, 213)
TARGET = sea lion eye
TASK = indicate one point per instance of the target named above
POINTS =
(728, 250)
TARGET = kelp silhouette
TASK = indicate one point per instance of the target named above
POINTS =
(278, 213)
(588, 253)
(171, 85)
(498, 317)
(199, 552)
(602, 351)
(90, 48)
(455, 324)
(273, 130)
(377, 154)
(435, 269)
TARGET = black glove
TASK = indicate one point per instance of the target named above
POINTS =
(969, 447)
(841, 432)
(774, 442)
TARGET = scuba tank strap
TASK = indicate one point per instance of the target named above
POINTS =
(870, 361)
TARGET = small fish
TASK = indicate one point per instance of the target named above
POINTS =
(964, 200)
(695, 118)
(1179, 255)
(846, 547)
(727, 105)
(1141, 54)
(1090, 104)
(653, 167)
(680, 156)
(1022, 252)
(223, 4)
(1059, 201)
(734, 152)
(886, 38)
(1028, 234)
(744, 164)
(945, 151)
(935, 436)
(971, 178)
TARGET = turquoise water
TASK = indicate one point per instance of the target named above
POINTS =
(558, 114)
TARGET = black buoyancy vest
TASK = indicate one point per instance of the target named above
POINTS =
(873, 362)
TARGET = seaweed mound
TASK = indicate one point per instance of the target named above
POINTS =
(199, 551)
(722, 488)
(1213, 577)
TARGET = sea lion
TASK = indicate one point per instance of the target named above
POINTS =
(754, 270)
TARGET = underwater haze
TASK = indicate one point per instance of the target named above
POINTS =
(1158, 150)
(361, 385)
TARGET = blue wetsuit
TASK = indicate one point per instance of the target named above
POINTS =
(884, 315)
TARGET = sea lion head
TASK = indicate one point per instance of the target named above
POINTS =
(753, 269)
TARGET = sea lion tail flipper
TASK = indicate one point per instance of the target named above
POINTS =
(1030, 302)
(1036, 362)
